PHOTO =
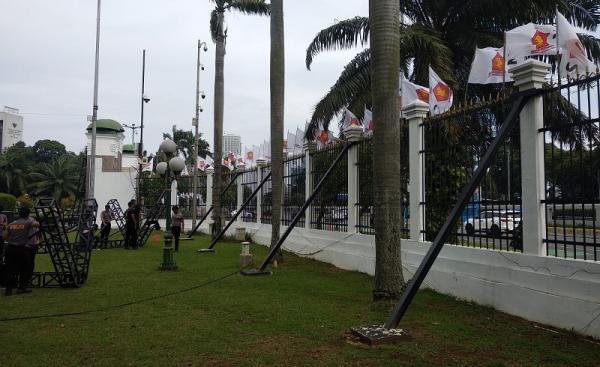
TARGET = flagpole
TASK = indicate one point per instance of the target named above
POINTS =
(504, 66)
(558, 56)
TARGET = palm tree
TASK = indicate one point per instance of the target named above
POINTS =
(219, 34)
(385, 51)
(277, 115)
(57, 179)
(11, 175)
(443, 34)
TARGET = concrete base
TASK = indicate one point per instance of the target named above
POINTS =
(206, 250)
(245, 260)
(377, 334)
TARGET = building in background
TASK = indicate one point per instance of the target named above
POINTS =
(116, 164)
(232, 143)
(11, 128)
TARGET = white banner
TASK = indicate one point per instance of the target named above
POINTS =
(489, 67)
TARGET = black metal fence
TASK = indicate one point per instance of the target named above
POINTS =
(329, 211)
(229, 198)
(572, 169)
(453, 145)
(294, 189)
(249, 184)
(365, 203)
(266, 198)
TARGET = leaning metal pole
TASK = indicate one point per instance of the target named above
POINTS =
(273, 250)
(141, 147)
(91, 176)
(211, 247)
(413, 286)
(193, 231)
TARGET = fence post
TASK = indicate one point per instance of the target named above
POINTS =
(209, 191)
(415, 113)
(240, 190)
(309, 148)
(353, 133)
(260, 163)
(527, 76)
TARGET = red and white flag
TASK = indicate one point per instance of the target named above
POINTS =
(147, 167)
(368, 122)
(249, 155)
(227, 164)
(441, 96)
(202, 165)
(350, 119)
(489, 66)
(324, 137)
(240, 160)
(411, 92)
(530, 40)
(574, 60)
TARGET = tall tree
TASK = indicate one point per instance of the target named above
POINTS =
(57, 179)
(277, 115)
(219, 35)
(385, 60)
(185, 143)
(15, 162)
(45, 151)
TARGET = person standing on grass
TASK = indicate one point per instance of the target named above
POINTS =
(131, 224)
(106, 218)
(3, 225)
(20, 240)
(176, 226)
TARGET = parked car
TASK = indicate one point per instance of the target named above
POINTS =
(493, 222)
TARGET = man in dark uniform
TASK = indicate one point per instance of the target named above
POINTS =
(3, 225)
(106, 218)
(131, 224)
(21, 238)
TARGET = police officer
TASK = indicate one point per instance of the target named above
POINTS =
(21, 238)
(131, 224)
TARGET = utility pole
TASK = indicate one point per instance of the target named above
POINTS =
(91, 176)
(196, 136)
(144, 100)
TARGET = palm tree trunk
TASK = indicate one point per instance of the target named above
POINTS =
(218, 122)
(385, 58)
(277, 115)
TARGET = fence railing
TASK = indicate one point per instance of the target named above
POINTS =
(572, 169)
(294, 189)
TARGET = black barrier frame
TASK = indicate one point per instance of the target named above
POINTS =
(193, 232)
(274, 249)
(211, 247)
(373, 334)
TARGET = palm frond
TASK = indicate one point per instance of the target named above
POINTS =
(342, 35)
(354, 81)
(250, 7)
(592, 45)
(214, 25)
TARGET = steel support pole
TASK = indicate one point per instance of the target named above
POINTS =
(237, 214)
(141, 146)
(196, 140)
(273, 250)
(414, 284)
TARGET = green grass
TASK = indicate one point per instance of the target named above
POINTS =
(298, 316)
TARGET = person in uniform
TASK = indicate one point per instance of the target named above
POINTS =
(21, 239)
(131, 224)
(3, 225)
(176, 226)
(106, 218)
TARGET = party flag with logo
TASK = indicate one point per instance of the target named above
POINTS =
(368, 122)
(411, 92)
(489, 67)
(441, 96)
(574, 60)
(530, 40)
(350, 119)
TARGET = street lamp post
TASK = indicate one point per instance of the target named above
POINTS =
(91, 175)
(201, 46)
(145, 99)
(175, 166)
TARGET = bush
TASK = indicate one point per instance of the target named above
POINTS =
(25, 200)
(8, 202)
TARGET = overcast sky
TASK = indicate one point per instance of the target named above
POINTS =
(47, 65)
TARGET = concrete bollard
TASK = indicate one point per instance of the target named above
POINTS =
(240, 234)
(245, 256)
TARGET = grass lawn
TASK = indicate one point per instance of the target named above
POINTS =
(298, 316)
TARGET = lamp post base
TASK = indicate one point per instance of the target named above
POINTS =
(168, 262)
(378, 334)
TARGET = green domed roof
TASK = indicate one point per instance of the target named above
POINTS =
(128, 148)
(107, 125)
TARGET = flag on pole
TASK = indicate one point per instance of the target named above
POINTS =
(227, 164)
(324, 137)
(240, 160)
(147, 167)
(209, 162)
(350, 119)
(249, 155)
(368, 122)
(202, 164)
(299, 142)
(574, 60)
(411, 92)
(230, 156)
(441, 96)
(489, 67)
(530, 40)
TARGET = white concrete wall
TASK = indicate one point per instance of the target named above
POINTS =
(558, 292)
(113, 185)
